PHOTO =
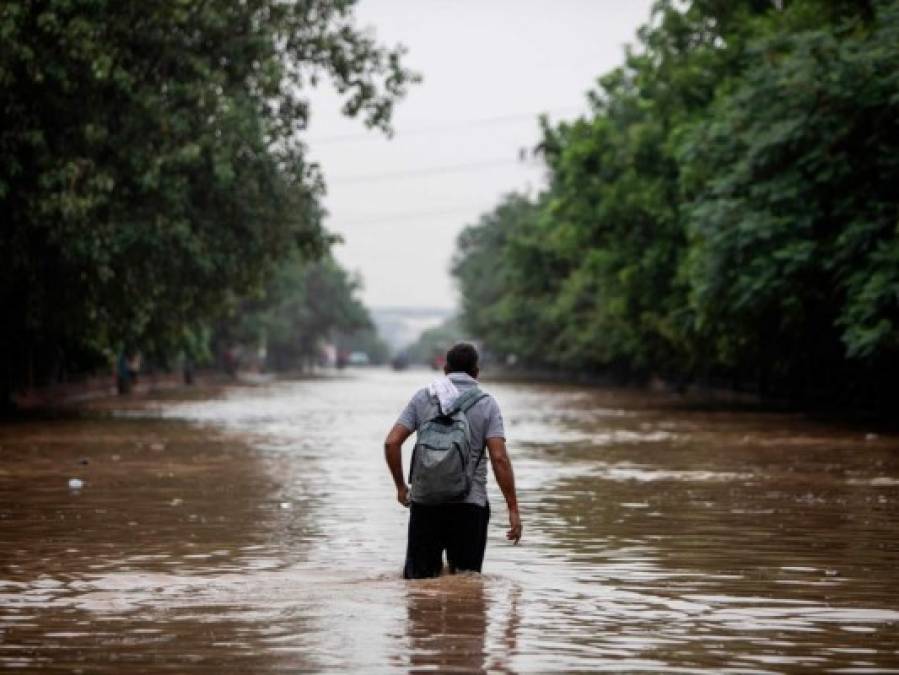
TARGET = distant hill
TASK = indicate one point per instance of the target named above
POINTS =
(401, 326)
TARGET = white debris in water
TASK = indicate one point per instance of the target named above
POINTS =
(75, 483)
(878, 481)
(286, 505)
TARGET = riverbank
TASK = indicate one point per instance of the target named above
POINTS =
(96, 387)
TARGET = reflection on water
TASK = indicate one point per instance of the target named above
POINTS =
(255, 530)
(447, 625)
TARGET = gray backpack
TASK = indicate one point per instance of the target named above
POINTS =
(442, 469)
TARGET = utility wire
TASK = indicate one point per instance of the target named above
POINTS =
(427, 171)
(449, 126)
(412, 215)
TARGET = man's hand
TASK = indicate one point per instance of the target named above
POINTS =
(514, 533)
(402, 495)
(502, 469)
(393, 453)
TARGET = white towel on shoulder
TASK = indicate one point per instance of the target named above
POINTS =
(445, 391)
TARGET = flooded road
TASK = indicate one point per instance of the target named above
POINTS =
(255, 530)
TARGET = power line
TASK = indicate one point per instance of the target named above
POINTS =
(412, 215)
(449, 126)
(425, 171)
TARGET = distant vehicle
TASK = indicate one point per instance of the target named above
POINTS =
(359, 359)
(400, 361)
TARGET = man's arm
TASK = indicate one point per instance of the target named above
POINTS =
(502, 469)
(393, 453)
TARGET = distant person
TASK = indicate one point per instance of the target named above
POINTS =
(123, 374)
(448, 508)
(400, 361)
(134, 364)
(231, 362)
(187, 370)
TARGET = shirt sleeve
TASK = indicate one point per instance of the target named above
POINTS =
(495, 426)
(409, 418)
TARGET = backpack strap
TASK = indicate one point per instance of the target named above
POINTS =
(435, 406)
(463, 404)
(466, 400)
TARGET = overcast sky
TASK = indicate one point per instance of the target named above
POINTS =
(489, 67)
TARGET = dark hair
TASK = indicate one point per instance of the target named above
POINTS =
(462, 357)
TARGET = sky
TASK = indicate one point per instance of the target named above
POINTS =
(489, 68)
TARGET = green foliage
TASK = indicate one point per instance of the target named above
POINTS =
(793, 207)
(151, 170)
(366, 340)
(434, 342)
(500, 267)
(727, 211)
(303, 305)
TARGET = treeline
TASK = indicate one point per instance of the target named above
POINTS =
(153, 182)
(727, 213)
(304, 305)
(431, 346)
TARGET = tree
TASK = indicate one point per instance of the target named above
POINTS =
(151, 164)
(488, 264)
(366, 340)
(727, 210)
(794, 218)
(433, 343)
(304, 304)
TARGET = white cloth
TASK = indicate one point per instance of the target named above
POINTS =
(445, 391)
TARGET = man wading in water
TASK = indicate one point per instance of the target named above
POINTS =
(456, 424)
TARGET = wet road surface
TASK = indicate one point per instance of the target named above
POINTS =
(254, 529)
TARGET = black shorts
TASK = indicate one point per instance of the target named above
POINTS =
(458, 529)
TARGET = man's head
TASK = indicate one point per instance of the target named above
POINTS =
(462, 358)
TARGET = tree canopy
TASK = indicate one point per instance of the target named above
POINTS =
(152, 170)
(726, 212)
(303, 304)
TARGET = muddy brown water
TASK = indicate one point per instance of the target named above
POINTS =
(254, 529)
